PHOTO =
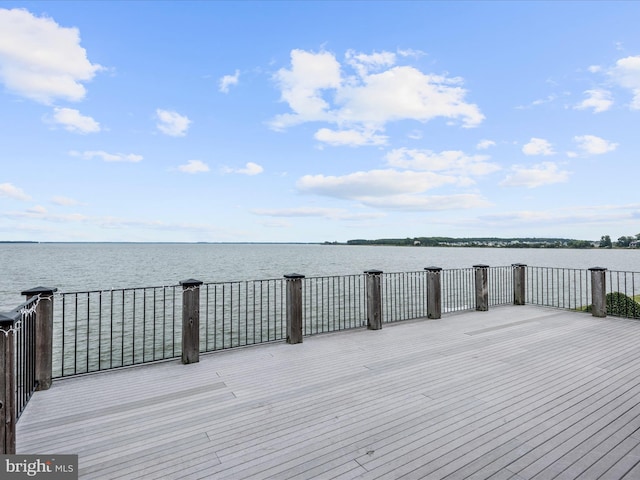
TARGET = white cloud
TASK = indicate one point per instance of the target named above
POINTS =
(404, 92)
(570, 215)
(9, 190)
(194, 166)
(316, 89)
(599, 100)
(538, 146)
(250, 168)
(111, 222)
(484, 144)
(592, 145)
(107, 157)
(409, 52)
(37, 209)
(541, 101)
(331, 213)
(364, 63)
(451, 161)
(301, 87)
(41, 60)
(228, 80)
(374, 182)
(626, 73)
(427, 202)
(40, 213)
(594, 68)
(172, 123)
(352, 138)
(64, 201)
(74, 121)
(402, 187)
(545, 173)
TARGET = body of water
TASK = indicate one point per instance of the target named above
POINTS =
(101, 266)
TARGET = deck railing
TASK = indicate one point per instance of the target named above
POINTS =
(25, 359)
(333, 303)
(99, 330)
(20, 328)
(105, 329)
(404, 296)
(236, 314)
(558, 287)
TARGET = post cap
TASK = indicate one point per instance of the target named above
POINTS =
(190, 283)
(293, 276)
(373, 272)
(518, 264)
(433, 269)
(480, 265)
(598, 269)
(45, 291)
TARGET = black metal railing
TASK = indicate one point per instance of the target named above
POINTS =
(100, 330)
(500, 285)
(404, 296)
(105, 329)
(235, 314)
(333, 303)
(565, 288)
(458, 290)
(26, 382)
(19, 353)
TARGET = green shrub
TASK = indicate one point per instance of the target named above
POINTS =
(619, 305)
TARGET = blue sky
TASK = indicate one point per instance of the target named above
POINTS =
(318, 121)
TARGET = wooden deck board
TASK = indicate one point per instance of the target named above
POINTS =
(516, 392)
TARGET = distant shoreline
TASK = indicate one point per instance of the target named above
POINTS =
(451, 242)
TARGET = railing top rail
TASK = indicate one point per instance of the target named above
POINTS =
(237, 282)
(107, 290)
(335, 276)
(7, 319)
(17, 312)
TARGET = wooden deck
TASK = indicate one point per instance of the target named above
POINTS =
(513, 393)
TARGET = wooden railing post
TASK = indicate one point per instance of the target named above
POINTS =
(8, 414)
(190, 321)
(434, 292)
(598, 291)
(44, 334)
(519, 279)
(374, 300)
(482, 287)
(294, 307)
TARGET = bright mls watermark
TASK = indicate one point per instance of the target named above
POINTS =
(51, 467)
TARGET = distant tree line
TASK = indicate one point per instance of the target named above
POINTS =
(524, 242)
(623, 242)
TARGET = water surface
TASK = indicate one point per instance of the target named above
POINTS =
(101, 266)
